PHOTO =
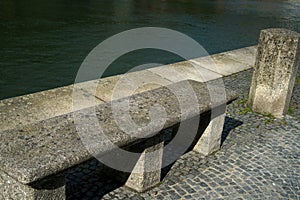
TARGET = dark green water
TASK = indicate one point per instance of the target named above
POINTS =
(42, 43)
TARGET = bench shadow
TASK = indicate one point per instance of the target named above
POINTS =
(229, 125)
(93, 180)
(89, 181)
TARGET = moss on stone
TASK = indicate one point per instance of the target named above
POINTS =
(298, 80)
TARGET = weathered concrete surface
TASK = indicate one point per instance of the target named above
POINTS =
(117, 87)
(147, 172)
(229, 62)
(34, 107)
(12, 189)
(210, 141)
(187, 70)
(245, 55)
(275, 71)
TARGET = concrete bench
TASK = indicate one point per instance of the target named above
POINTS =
(35, 157)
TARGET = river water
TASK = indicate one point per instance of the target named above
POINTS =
(43, 43)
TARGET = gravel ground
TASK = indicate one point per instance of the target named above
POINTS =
(259, 159)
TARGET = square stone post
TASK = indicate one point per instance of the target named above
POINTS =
(210, 141)
(51, 189)
(275, 71)
(147, 172)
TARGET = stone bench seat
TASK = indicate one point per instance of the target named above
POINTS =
(35, 156)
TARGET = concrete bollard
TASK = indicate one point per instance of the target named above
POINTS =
(275, 71)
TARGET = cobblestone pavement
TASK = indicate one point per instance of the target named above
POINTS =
(259, 159)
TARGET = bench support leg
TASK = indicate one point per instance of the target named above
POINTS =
(47, 189)
(147, 171)
(210, 140)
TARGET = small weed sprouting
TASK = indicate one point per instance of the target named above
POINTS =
(242, 101)
(291, 110)
(245, 111)
(160, 183)
(270, 119)
(246, 108)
